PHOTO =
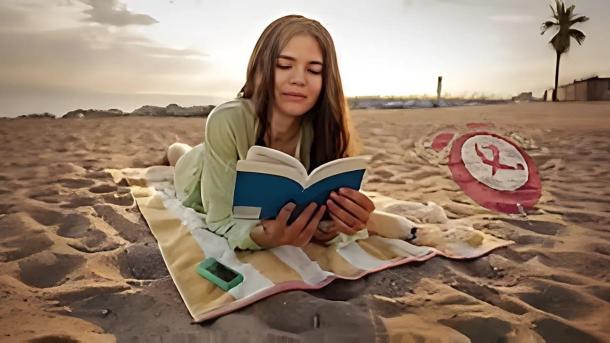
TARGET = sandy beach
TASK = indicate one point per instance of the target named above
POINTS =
(78, 263)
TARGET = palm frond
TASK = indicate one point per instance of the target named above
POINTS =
(559, 8)
(580, 19)
(570, 11)
(578, 35)
(555, 15)
(547, 25)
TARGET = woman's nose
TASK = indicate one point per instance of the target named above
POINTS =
(297, 77)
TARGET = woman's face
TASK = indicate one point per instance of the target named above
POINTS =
(298, 76)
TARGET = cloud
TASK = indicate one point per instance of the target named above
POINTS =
(62, 52)
(111, 12)
(31, 16)
(94, 58)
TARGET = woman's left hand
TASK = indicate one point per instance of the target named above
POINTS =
(350, 210)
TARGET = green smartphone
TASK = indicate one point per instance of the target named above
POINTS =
(219, 274)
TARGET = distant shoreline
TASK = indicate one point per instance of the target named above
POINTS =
(355, 103)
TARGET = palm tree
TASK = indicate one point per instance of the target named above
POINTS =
(563, 19)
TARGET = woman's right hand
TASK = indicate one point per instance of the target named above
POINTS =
(277, 232)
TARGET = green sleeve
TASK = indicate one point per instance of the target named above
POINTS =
(218, 181)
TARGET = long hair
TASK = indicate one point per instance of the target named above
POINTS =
(333, 134)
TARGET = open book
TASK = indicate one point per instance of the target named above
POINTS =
(268, 179)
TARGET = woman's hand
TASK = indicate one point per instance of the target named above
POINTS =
(277, 232)
(350, 210)
(326, 231)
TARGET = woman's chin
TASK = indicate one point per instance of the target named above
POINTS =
(295, 110)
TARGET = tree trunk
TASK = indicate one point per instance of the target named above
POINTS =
(556, 76)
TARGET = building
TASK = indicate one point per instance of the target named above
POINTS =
(593, 88)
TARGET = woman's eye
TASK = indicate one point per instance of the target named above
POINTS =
(315, 72)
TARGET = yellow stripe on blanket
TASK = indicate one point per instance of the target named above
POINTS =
(270, 266)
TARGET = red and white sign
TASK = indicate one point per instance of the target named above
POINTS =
(494, 172)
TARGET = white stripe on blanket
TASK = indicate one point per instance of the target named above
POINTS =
(359, 258)
(295, 258)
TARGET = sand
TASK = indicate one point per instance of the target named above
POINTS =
(78, 263)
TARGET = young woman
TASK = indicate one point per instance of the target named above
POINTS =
(293, 102)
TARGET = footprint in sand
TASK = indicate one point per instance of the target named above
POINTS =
(552, 298)
(91, 240)
(74, 225)
(480, 329)
(61, 147)
(567, 279)
(487, 294)
(46, 195)
(54, 339)
(75, 183)
(24, 246)
(6, 208)
(401, 280)
(100, 174)
(479, 268)
(552, 330)
(583, 263)
(587, 218)
(121, 200)
(104, 188)
(533, 240)
(47, 217)
(95, 241)
(19, 237)
(603, 249)
(79, 201)
(46, 269)
(342, 290)
(127, 229)
(537, 226)
(601, 292)
(142, 261)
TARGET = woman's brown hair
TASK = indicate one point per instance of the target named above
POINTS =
(333, 137)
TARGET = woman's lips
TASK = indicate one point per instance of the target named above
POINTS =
(294, 96)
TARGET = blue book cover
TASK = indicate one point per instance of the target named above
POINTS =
(268, 179)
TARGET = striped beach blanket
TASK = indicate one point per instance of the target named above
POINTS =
(184, 243)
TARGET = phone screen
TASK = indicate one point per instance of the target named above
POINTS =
(222, 272)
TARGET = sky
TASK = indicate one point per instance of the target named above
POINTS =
(60, 55)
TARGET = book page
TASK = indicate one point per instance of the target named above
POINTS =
(268, 155)
(271, 168)
(336, 167)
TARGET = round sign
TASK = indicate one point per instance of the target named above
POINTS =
(494, 172)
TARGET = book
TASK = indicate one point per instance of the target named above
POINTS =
(268, 179)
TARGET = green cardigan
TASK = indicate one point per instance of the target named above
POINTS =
(204, 177)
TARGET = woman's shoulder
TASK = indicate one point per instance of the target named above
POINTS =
(238, 110)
